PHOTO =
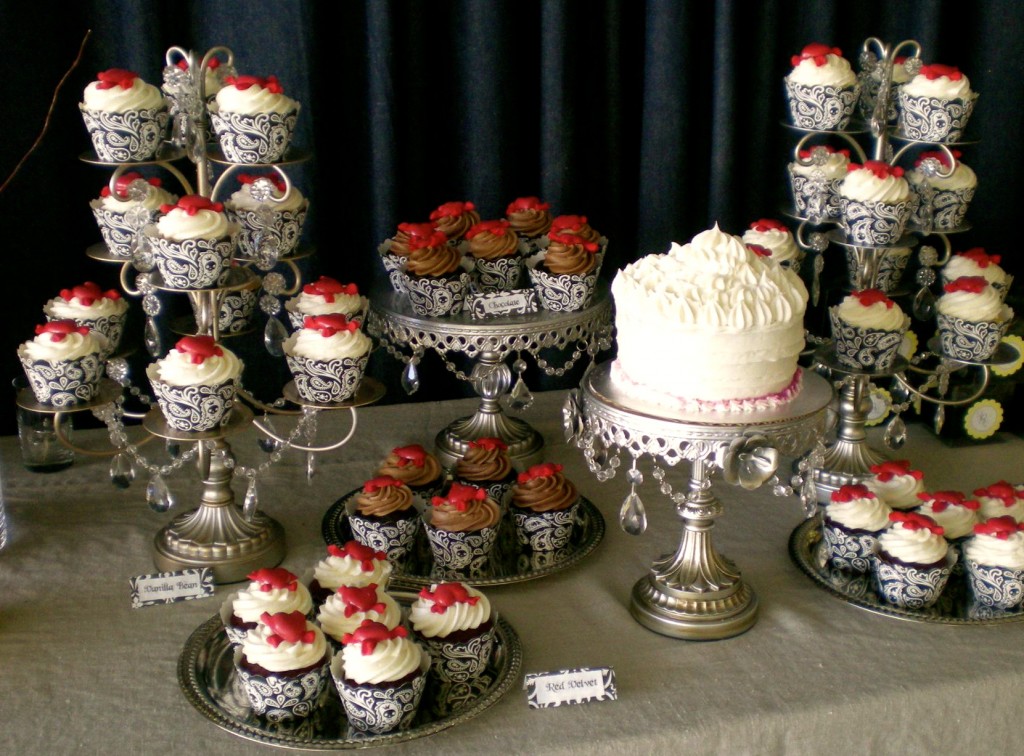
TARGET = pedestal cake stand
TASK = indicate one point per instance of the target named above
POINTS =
(490, 341)
(694, 593)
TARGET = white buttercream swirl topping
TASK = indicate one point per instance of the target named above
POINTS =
(311, 344)
(117, 99)
(253, 99)
(389, 661)
(458, 616)
(334, 622)
(882, 315)
(975, 306)
(72, 346)
(252, 602)
(864, 185)
(914, 546)
(835, 73)
(178, 368)
(996, 552)
(861, 513)
(287, 656)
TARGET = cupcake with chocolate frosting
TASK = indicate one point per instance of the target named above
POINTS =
(529, 217)
(565, 274)
(454, 219)
(382, 517)
(416, 468)
(544, 505)
(462, 527)
(486, 464)
(497, 255)
(434, 278)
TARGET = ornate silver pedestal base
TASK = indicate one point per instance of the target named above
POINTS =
(694, 593)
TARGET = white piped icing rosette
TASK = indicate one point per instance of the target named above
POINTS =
(1000, 500)
(272, 590)
(195, 383)
(454, 621)
(867, 329)
(822, 88)
(775, 237)
(88, 305)
(874, 201)
(976, 262)
(254, 119)
(125, 116)
(896, 483)
(327, 358)
(270, 227)
(952, 510)
(352, 564)
(349, 606)
(325, 296)
(972, 319)
(936, 104)
(914, 561)
(63, 363)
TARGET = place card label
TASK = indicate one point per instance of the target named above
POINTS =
(170, 587)
(570, 686)
(493, 304)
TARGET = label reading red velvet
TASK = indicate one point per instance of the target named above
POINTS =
(570, 686)
(171, 587)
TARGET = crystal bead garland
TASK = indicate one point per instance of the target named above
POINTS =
(268, 444)
(519, 397)
(632, 515)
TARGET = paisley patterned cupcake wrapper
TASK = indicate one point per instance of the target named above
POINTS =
(379, 709)
(193, 263)
(994, 587)
(260, 228)
(327, 381)
(110, 327)
(253, 139)
(890, 270)
(192, 408)
(846, 550)
(930, 119)
(502, 274)
(864, 348)
(282, 697)
(821, 107)
(945, 212)
(128, 137)
(394, 537)
(63, 384)
(815, 199)
(967, 340)
(461, 552)
(545, 531)
(563, 293)
(876, 224)
(437, 297)
(460, 661)
(909, 586)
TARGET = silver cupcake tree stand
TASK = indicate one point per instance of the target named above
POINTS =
(230, 539)
(489, 343)
(849, 458)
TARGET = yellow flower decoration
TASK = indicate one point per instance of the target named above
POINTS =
(1010, 368)
(983, 419)
(908, 347)
(881, 403)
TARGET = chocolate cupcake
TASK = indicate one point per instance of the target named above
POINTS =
(486, 464)
(530, 218)
(565, 274)
(434, 278)
(495, 250)
(462, 529)
(383, 518)
(454, 219)
(544, 507)
(416, 468)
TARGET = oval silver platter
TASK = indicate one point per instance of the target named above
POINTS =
(509, 562)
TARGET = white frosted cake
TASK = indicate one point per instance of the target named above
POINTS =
(709, 326)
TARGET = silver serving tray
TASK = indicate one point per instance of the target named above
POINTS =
(953, 608)
(509, 562)
(207, 677)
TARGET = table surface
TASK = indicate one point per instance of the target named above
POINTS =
(83, 672)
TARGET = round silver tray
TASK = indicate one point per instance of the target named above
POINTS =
(953, 607)
(509, 562)
(207, 677)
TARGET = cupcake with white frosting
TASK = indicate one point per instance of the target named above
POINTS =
(940, 201)
(874, 200)
(952, 510)
(325, 296)
(126, 117)
(1000, 499)
(454, 622)
(775, 237)
(350, 606)
(851, 523)
(822, 88)
(972, 319)
(88, 305)
(914, 561)
(976, 262)
(195, 383)
(896, 483)
(815, 177)
(867, 330)
(994, 558)
(271, 221)
(271, 590)
(327, 358)
(254, 119)
(935, 105)
(121, 213)
(63, 363)
(352, 564)
(194, 242)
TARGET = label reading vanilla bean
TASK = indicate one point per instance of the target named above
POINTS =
(570, 686)
(170, 587)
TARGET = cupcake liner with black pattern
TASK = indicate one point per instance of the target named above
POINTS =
(462, 660)
(133, 136)
(945, 211)
(566, 292)
(192, 263)
(994, 587)
(118, 229)
(253, 139)
(890, 270)
(237, 310)
(876, 224)
(461, 551)
(545, 531)
(815, 199)
(969, 340)
(192, 408)
(847, 549)
(502, 274)
(394, 266)
(65, 383)
(380, 708)
(327, 381)
(392, 536)
(437, 297)
(281, 697)
(932, 119)
(864, 348)
(821, 107)
(281, 229)
(911, 586)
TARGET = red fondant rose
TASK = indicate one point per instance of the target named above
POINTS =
(192, 204)
(413, 454)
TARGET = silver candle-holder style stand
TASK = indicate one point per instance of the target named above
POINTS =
(232, 540)
(490, 342)
(849, 458)
(694, 593)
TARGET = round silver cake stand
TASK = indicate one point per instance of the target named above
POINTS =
(694, 593)
(490, 342)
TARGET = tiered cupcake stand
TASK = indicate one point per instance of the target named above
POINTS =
(848, 459)
(490, 342)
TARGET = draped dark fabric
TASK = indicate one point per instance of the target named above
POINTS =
(655, 119)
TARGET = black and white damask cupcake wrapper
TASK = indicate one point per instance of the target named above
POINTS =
(877, 224)
(998, 588)
(502, 274)
(864, 348)
(821, 107)
(815, 199)
(326, 381)
(129, 137)
(379, 709)
(280, 229)
(911, 587)
(237, 310)
(930, 119)
(891, 267)
(394, 266)
(281, 698)
(393, 537)
(193, 408)
(437, 297)
(466, 552)
(848, 550)
(120, 234)
(254, 139)
(563, 293)
(459, 661)
(65, 383)
(545, 531)
(945, 212)
(193, 263)
(968, 340)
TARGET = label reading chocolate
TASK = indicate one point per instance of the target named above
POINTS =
(496, 303)
(570, 686)
(169, 587)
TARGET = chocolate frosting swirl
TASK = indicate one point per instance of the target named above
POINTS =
(488, 246)
(477, 516)
(569, 259)
(545, 494)
(409, 473)
(530, 223)
(481, 464)
(455, 226)
(433, 261)
(384, 501)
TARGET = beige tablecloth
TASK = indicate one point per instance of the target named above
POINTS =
(82, 672)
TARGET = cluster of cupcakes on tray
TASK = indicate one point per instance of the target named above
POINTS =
(438, 263)
(292, 639)
(916, 543)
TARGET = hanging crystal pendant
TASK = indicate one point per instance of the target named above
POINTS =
(632, 515)
(268, 444)
(274, 335)
(924, 304)
(173, 448)
(819, 265)
(151, 337)
(310, 466)
(410, 378)
(809, 495)
(121, 471)
(251, 501)
(520, 397)
(895, 433)
(158, 495)
(940, 418)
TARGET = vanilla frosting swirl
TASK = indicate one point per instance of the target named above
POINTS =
(317, 304)
(835, 73)
(59, 308)
(547, 493)
(455, 618)
(876, 316)
(73, 346)
(863, 185)
(861, 513)
(334, 622)
(331, 572)
(476, 516)
(941, 87)
(482, 464)
(960, 266)
(919, 546)
(253, 100)
(252, 602)
(391, 660)
(992, 506)
(178, 225)
(177, 369)
(983, 306)
(286, 656)
(778, 241)
(996, 552)
(116, 99)
(899, 492)
(309, 343)
(956, 521)
(384, 500)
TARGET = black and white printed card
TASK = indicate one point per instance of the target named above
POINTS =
(570, 686)
(170, 587)
(496, 303)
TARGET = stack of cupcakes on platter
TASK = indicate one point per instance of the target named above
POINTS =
(934, 105)
(972, 319)
(133, 204)
(195, 384)
(254, 119)
(822, 88)
(126, 117)
(327, 358)
(88, 305)
(867, 330)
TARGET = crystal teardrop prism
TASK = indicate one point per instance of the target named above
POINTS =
(251, 501)
(410, 379)
(151, 337)
(274, 335)
(895, 433)
(268, 444)
(310, 466)
(924, 304)
(519, 397)
(121, 471)
(632, 515)
(173, 448)
(158, 495)
(940, 418)
(809, 496)
(819, 265)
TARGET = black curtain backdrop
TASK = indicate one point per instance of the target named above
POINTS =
(654, 119)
